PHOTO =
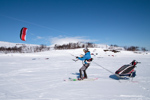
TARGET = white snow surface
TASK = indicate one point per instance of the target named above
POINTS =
(31, 76)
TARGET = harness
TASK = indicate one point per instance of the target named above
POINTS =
(89, 60)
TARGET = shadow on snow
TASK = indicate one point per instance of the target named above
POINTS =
(117, 78)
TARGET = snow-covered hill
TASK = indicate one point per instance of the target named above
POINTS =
(40, 76)
(7, 47)
(9, 44)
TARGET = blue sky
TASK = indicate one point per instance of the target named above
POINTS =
(120, 22)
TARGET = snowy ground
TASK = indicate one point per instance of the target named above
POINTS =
(31, 76)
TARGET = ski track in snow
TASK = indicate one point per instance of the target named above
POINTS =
(33, 77)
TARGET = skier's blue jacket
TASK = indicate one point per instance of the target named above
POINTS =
(87, 56)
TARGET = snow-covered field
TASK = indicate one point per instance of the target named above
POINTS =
(31, 76)
(9, 44)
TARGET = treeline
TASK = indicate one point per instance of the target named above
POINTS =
(74, 46)
(92, 45)
(30, 49)
(135, 48)
(24, 49)
(132, 48)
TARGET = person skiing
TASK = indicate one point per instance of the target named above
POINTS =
(86, 63)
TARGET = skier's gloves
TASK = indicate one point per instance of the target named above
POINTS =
(77, 57)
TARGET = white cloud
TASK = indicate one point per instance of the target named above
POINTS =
(65, 40)
(39, 37)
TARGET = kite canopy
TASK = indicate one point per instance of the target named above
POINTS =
(23, 34)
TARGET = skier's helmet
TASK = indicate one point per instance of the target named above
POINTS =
(85, 50)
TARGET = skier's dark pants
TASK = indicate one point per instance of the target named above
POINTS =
(83, 68)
